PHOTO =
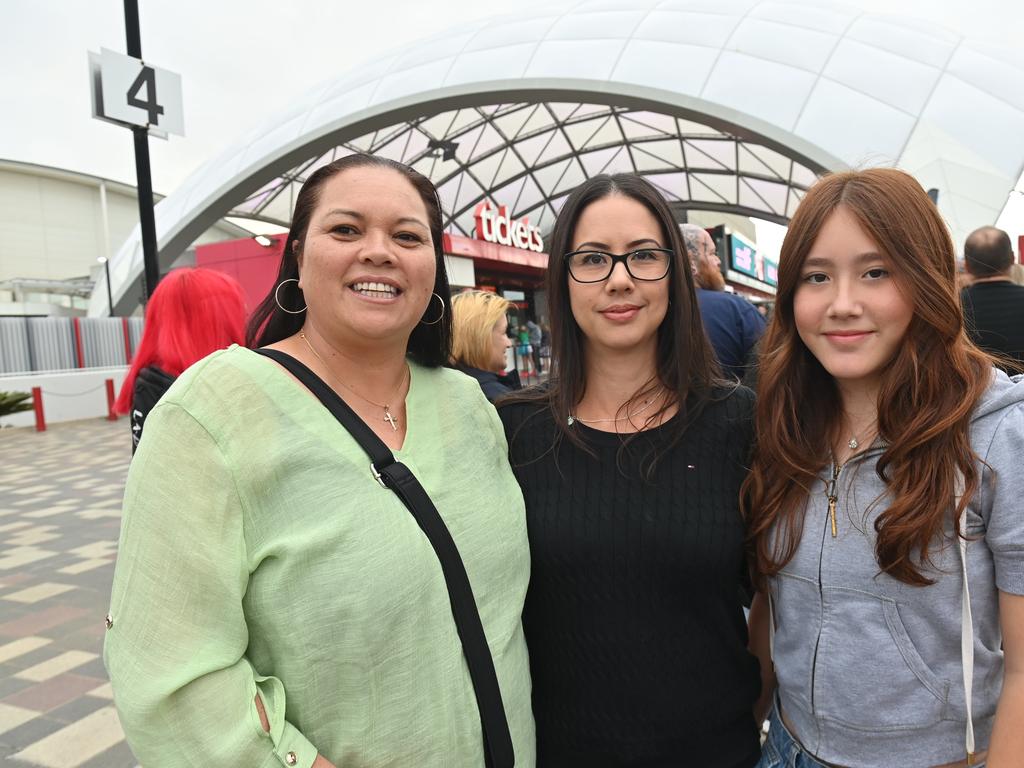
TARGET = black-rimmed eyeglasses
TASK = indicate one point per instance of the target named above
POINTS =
(641, 264)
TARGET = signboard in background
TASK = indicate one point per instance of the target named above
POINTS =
(126, 91)
(771, 271)
(495, 225)
(743, 256)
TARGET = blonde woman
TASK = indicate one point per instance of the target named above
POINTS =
(480, 339)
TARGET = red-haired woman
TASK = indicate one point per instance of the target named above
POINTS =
(192, 312)
(883, 504)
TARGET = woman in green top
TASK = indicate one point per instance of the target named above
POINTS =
(272, 604)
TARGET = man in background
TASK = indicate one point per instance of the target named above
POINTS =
(993, 304)
(732, 323)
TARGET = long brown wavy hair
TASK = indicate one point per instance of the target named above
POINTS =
(928, 391)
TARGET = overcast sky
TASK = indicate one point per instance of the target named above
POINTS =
(240, 60)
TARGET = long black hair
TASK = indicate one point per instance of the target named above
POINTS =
(685, 363)
(430, 343)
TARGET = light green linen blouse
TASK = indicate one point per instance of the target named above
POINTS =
(258, 553)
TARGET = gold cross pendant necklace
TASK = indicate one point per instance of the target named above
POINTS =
(388, 417)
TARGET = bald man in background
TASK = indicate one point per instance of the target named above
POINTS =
(993, 304)
(732, 323)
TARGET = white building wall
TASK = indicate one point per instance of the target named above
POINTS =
(51, 222)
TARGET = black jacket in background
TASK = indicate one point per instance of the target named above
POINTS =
(493, 385)
(994, 315)
(150, 386)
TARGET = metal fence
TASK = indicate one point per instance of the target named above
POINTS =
(34, 344)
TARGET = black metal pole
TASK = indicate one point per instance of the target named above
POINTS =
(143, 176)
(110, 295)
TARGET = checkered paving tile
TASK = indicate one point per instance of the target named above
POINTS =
(60, 512)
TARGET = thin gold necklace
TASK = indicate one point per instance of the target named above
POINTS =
(388, 417)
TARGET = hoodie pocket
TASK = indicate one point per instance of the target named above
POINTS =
(869, 674)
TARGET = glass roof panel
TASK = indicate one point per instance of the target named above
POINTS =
(559, 147)
(395, 148)
(689, 128)
(540, 119)
(668, 150)
(469, 193)
(510, 166)
(549, 176)
(713, 187)
(596, 162)
(424, 165)
(464, 118)
(530, 149)
(803, 176)
(543, 217)
(705, 153)
(608, 133)
(635, 130)
(280, 208)
(327, 158)
(489, 140)
(581, 133)
(766, 195)
(446, 192)
(574, 176)
(466, 144)
(522, 157)
(672, 185)
(795, 196)
(511, 124)
(361, 143)
(529, 196)
(416, 145)
(438, 125)
(621, 163)
(558, 202)
(587, 110)
(645, 161)
(508, 194)
(465, 222)
(442, 169)
(385, 136)
(486, 168)
(652, 121)
(562, 111)
(763, 161)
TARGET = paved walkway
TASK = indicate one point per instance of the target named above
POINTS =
(60, 512)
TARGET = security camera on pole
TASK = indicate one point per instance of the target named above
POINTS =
(128, 92)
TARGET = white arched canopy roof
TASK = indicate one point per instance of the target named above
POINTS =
(732, 105)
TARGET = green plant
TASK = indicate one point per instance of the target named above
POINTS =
(14, 402)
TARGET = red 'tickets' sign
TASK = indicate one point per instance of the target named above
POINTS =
(495, 226)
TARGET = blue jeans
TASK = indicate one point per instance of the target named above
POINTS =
(781, 750)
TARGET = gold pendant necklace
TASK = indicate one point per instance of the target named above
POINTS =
(388, 417)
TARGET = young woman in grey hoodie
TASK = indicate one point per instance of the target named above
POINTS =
(884, 504)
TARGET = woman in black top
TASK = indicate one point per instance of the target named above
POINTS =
(630, 461)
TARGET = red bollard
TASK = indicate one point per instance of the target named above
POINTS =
(37, 403)
(111, 416)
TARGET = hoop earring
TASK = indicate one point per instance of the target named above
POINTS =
(277, 300)
(440, 317)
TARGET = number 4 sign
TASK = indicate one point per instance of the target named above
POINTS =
(128, 92)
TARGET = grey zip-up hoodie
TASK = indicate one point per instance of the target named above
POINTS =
(869, 668)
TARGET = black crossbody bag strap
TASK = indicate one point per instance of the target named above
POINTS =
(498, 751)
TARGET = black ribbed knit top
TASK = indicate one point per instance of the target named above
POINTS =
(634, 615)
